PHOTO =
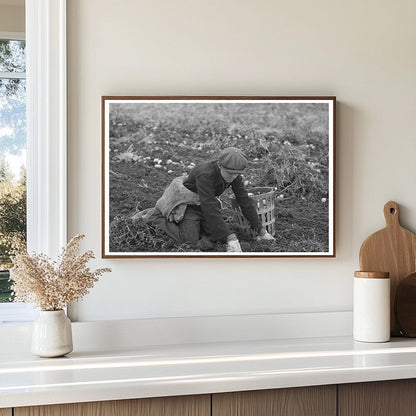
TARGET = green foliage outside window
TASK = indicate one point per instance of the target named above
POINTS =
(12, 223)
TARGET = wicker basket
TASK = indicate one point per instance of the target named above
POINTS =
(264, 198)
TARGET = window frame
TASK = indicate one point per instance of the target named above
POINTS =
(46, 125)
(46, 137)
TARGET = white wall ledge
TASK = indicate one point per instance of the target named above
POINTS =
(123, 334)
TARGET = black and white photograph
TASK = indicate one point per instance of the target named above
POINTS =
(218, 176)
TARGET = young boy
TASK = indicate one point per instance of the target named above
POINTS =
(189, 209)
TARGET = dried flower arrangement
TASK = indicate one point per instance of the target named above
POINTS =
(53, 285)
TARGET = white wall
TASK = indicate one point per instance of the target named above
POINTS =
(363, 52)
(12, 18)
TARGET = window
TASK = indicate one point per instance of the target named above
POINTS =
(12, 153)
(12, 165)
(46, 134)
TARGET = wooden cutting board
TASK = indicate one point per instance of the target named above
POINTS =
(393, 250)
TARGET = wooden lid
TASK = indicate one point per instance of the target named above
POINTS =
(372, 275)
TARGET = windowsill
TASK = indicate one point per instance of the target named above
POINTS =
(16, 313)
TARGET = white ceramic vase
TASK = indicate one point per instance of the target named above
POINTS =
(52, 334)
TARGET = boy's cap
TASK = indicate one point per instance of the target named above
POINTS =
(233, 159)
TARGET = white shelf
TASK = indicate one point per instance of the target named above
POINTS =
(151, 371)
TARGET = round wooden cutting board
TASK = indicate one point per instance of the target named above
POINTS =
(405, 305)
(393, 250)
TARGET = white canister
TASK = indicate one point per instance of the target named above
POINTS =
(371, 314)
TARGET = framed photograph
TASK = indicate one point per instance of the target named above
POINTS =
(218, 176)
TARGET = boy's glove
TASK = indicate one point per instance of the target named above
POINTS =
(264, 235)
(233, 245)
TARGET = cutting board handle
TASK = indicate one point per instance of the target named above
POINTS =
(391, 214)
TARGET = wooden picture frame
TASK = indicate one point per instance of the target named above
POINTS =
(289, 143)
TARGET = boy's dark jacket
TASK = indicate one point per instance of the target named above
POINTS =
(205, 179)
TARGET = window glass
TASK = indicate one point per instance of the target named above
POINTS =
(12, 156)
(12, 56)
